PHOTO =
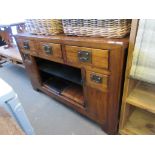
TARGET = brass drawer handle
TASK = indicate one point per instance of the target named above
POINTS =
(47, 49)
(26, 45)
(96, 78)
(84, 56)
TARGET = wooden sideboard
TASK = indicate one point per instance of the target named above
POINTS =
(85, 73)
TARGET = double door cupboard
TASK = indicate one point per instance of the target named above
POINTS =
(84, 73)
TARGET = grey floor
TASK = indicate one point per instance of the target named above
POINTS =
(47, 116)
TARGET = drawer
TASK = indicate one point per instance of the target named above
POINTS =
(96, 80)
(87, 56)
(26, 44)
(50, 50)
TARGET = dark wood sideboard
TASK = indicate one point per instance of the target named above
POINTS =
(85, 73)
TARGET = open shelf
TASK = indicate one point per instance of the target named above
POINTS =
(75, 93)
(143, 96)
(55, 84)
(63, 87)
(63, 71)
(139, 122)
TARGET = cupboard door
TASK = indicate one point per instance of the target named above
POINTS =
(97, 104)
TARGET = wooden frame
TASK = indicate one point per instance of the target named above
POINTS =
(138, 103)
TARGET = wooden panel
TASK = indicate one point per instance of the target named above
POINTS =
(129, 84)
(31, 52)
(143, 96)
(33, 72)
(75, 93)
(101, 86)
(56, 50)
(140, 122)
(97, 104)
(98, 70)
(8, 126)
(92, 42)
(99, 56)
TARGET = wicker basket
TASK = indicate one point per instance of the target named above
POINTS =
(44, 26)
(110, 28)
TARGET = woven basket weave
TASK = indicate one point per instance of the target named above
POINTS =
(110, 28)
(44, 26)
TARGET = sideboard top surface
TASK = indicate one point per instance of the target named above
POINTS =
(63, 39)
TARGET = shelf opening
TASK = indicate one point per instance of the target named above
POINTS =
(140, 122)
(60, 70)
(143, 96)
(63, 87)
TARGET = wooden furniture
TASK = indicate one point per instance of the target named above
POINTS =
(82, 72)
(6, 32)
(10, 51)
(138, 103)
(12, 54)
(8, 126)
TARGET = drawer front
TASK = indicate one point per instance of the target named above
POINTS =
(87, 56)
(97, 80)
(50, 50)
(26, 44)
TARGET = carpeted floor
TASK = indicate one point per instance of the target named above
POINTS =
(46, 115)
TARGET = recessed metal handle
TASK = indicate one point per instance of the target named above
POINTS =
(47, 49)
(85, 56)
(26, 45)
(96, 78)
